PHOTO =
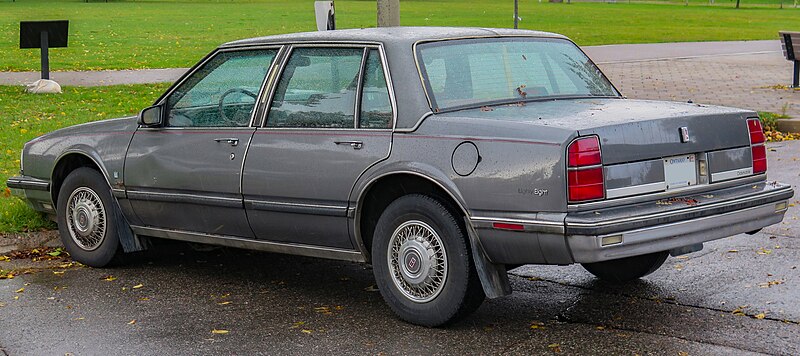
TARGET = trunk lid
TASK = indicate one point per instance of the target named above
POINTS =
(647, 146)
(633, 130)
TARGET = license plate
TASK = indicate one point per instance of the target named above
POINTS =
(680, 171)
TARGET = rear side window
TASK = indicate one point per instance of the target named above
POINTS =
(376, 107)
(317, 89)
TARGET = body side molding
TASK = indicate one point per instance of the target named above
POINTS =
(238, 242)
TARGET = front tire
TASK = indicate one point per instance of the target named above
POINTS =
(422, 263)
(85, 217)
(627, 269)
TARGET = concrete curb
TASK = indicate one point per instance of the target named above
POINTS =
(29, 240)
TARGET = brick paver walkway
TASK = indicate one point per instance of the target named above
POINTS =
(748, 81)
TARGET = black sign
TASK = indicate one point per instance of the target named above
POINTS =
(30, 33)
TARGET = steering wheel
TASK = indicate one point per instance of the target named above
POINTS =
(221, 105)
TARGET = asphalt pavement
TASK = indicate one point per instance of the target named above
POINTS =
(737, 296)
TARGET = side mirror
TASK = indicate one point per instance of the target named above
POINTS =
(152, 116)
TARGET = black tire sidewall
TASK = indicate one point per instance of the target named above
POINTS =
(627, 269)
(91, 179)
(448, 304)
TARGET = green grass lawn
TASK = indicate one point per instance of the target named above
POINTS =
(25, 116)
(162, 34)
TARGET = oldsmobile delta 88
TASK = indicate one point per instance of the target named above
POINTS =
(442, 156)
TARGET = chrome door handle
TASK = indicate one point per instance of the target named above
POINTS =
(231, 141)
(356, 145)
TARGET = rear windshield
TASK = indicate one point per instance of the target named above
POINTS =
(488, 71)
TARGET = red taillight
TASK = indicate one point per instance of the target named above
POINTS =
(756, 132)
(584, 170)
(759, 159)
(759, 152)
(584, 152)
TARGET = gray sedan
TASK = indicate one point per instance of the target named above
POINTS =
(442, 156)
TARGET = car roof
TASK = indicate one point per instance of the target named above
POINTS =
(389, 35)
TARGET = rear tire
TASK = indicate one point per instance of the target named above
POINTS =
(86, 222)
(627, 269)
(422, 263)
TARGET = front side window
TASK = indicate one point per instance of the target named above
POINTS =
(474, 72)
(222, 93)
(317, 89)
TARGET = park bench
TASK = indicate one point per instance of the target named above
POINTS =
(790, 42)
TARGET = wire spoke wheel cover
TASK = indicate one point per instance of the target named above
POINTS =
(86, 218)
(417, 261)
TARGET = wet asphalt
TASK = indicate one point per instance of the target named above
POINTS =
(737, 296)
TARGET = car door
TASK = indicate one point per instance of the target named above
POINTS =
(186, 175)
(330, 118)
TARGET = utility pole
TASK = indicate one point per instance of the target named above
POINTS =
(516, 14)
(388, 13)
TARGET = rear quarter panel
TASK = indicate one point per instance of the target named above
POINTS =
(520, 169)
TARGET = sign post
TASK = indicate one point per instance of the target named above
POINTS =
(43, 35)
(325, 14)
(388, 13)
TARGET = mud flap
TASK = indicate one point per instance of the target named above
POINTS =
(494, 278)
(130, 242)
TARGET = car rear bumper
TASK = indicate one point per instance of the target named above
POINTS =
(659, 225)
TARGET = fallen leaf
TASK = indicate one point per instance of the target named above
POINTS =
(760, 316)
(770, 283)
(4, 258)
(132, 322)
(21, 290)
(733, 251)
(58, 272)
(225, 303)
(763, 251)
(138, 286)
(219, 331)
(554, 347)
(306, 331)
(537, 325)
(109, 278)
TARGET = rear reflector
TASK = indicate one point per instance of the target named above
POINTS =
(506, 226)
(584, 170)
(610, 240)
(759, 152)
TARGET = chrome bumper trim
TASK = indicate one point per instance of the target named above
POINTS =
(771, 194)
(587, 249)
